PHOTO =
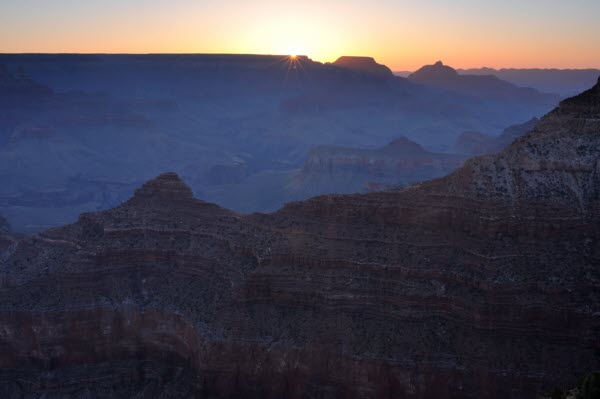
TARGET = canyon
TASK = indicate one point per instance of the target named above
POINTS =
(480, 284)
(232, 126)
(344, 170)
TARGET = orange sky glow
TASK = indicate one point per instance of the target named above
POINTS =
(401, 34)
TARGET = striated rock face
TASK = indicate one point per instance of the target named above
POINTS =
(482, 284)
(348, 170)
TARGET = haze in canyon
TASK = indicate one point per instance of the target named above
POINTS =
(279, 199)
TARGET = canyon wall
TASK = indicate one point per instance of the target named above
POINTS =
(482, 284)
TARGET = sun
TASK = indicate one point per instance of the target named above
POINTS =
(294, 50)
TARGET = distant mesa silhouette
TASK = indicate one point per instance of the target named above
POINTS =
(565, 82)
(437, 71)
(367, 65)
(486, 87)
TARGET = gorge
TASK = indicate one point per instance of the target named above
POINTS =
(480, 284)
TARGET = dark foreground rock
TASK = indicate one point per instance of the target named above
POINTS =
(482, 284)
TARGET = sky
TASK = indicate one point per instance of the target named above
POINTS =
(401, 34)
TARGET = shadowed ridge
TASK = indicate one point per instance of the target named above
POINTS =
(556, 162)
(493, 300)
(165, 202)
(168, 195)
(167, 185)
(585, 103)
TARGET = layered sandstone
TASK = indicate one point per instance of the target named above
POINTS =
(482, 284)
(335, 169)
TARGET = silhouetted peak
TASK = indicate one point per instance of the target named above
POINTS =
(437, 71)
(167, 185)
(585, 103)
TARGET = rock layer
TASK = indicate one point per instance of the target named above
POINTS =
(334, 169)
(482, 284)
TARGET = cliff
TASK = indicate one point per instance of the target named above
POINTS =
(482, 284)
(334, 169)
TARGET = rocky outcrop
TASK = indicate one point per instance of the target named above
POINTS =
(234, 126)
(332, 169)
(476, 143)
(482, 284)
(366, 65)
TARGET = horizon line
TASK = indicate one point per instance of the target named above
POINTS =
(395, 70)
